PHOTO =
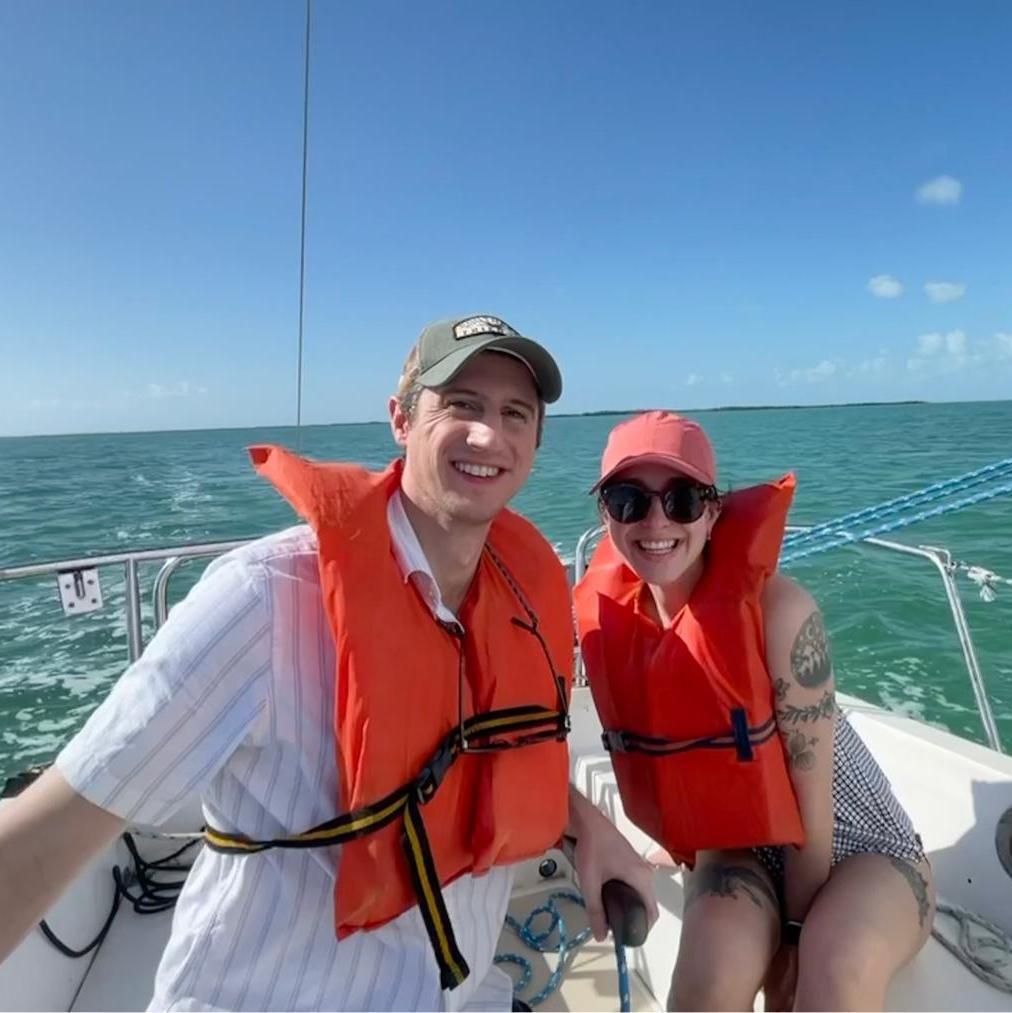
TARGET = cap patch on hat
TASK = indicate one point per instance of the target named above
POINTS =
(482, 325)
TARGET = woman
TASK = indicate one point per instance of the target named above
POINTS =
(808, 879)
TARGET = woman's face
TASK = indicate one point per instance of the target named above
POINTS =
(659, 549)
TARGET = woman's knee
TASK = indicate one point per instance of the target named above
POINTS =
(863, 925)
(729, 933)
(712, 985)
(721, 963)
(841, 972)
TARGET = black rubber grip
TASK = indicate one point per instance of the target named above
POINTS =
(626, 913)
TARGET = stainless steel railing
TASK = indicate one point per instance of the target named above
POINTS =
(129, 561)
(174, 556)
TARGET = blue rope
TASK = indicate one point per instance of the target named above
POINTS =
(542, 942)
(929, 494)
(836, 538)
(624, 999)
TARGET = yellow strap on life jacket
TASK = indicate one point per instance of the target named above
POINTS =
(523, 726)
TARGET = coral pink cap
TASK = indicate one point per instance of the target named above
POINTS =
(659, 437)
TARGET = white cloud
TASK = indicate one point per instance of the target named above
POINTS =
(183, 388)
(692, 379)
(729, 377)
(885, 286)
(943, 352)
(39, 403)
(944, 291)
(940, 190)
(815, 374)
(876, 366)
(952, 342)
(955, 343)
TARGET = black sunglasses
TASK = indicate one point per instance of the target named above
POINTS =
(478, 734)
(683, 500)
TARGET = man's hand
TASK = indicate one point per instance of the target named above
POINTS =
(602, 853)
(781, 980)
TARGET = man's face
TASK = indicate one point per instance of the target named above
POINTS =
(470, 444)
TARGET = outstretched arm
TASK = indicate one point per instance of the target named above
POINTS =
(797, 655)
(47, 834)
(156, 740)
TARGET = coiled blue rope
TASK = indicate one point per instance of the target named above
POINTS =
(836, 537)
(552, 939)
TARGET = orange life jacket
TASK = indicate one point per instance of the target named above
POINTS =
(404, 684)
(688, 711)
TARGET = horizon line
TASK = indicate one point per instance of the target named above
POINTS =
(548, 415)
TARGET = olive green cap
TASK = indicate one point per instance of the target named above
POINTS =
(444, 347)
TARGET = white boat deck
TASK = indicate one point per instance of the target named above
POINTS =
(954, 790)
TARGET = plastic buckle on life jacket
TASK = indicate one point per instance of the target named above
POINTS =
(614, 741)
(432, 774)
(740, 730)
(567, 727)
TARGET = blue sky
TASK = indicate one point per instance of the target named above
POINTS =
(692, 204)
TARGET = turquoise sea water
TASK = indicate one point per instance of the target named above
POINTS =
(889, 624)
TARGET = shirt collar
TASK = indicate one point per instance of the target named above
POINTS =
(411, 559)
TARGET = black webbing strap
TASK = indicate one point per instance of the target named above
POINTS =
(453, 968)
(489, 732)
(742, 738)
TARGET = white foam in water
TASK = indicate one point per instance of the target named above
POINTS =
(902, 705)
(188, 493)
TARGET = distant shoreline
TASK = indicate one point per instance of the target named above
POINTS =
(560, 415)
(739, 408)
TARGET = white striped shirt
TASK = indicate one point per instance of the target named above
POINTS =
(234, 699)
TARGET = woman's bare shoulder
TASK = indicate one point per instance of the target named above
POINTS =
(786, 603)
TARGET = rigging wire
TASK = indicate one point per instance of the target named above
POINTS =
(302, 229)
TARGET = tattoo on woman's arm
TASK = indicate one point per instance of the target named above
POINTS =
(789, 714)
(801, 750)
(810, 662)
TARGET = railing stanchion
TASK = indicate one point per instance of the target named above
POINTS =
(135, 642)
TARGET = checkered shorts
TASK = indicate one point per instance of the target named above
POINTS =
(866, 815)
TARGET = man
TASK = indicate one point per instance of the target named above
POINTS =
(417, 632)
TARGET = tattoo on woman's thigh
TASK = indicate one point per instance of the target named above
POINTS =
(731, 881)
(918, 884)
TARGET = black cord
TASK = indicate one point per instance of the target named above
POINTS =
(150, 896)
(66, 950)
